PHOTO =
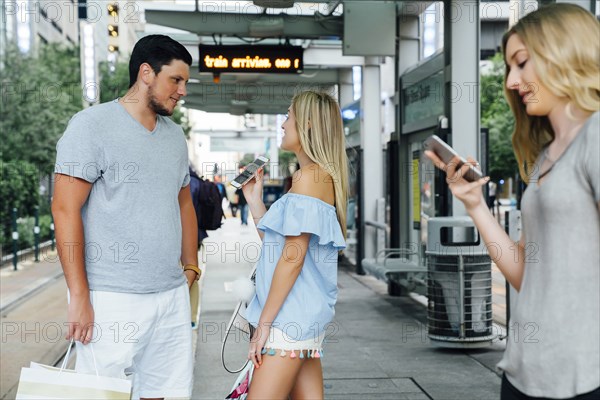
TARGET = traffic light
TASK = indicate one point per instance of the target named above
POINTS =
(113, 30)
(113, 10)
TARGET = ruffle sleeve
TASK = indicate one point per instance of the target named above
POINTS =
(294, 214)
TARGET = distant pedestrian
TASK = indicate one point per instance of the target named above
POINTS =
(125, 224)
(242, 206)
(233, 199)
(492, 196)
(195, 183)
(552, 84)
(296, 276)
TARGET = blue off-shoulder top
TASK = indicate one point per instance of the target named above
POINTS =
(309, 307)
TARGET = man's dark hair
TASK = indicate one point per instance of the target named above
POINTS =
(156, 50)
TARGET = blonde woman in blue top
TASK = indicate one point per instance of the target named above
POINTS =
(296, 276)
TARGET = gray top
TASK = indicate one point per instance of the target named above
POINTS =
(554, 350)
(132, 221)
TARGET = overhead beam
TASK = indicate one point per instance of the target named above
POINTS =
(231, 134)
(309, 76)
(246, 25)
(251, 108)
(237, 94)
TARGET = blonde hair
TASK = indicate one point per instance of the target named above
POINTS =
(324, 141)
(562, 39)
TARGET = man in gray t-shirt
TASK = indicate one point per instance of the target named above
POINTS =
(124, 222)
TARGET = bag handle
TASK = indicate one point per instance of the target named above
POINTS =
(235, 371)
(230, 327)
(68, 355)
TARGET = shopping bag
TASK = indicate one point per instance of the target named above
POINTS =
(241, 387)
(45, 382)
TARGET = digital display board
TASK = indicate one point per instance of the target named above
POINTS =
(251, 58)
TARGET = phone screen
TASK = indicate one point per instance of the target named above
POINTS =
(447, 154)
(249, 171)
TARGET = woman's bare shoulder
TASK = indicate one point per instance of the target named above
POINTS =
(314, 181)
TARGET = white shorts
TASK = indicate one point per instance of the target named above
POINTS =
(281, 344)
(147, 336)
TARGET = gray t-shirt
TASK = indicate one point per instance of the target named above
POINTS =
(132, 222)
(554, 345)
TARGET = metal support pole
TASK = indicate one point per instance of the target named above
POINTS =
(15, 237)
(461, 296)
(506, 284)
(52, 244)
(36, 234)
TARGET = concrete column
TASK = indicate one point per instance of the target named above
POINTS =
(346, 90)
(370, 143)
(462, 91)
(408, 56)
(274, 156)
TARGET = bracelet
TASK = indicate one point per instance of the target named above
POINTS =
(258, 217)
(192, 267)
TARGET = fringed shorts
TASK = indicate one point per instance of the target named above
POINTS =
(282, 345)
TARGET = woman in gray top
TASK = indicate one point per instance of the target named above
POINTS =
(552, 84)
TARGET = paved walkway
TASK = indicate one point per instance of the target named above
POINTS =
(378, 348)
(33, 309)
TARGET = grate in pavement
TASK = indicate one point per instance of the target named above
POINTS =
(379, 388)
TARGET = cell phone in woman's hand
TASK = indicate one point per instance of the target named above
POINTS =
(249, 172)
(446, 154)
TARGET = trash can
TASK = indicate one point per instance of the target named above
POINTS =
(459, 284)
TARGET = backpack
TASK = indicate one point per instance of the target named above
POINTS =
(207, 203)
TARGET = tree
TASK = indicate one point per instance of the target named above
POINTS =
(497, 116)
(113, 83)
(40, 93)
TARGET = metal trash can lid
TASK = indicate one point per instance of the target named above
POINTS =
(454, 236)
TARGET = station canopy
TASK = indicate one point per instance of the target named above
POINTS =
(281, 47)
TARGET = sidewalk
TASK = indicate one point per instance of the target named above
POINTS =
(29, 277)
(33, 305)
(378, 348)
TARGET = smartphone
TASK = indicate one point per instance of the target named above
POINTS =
(249, 172)
(446, 154)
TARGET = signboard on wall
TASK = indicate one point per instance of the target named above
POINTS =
(422, 95)
(416, 190)
(423, 100)
(251, 58)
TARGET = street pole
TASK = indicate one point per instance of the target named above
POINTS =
(36, 233)
(15, 237)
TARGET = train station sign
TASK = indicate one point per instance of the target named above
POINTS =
(251, 58)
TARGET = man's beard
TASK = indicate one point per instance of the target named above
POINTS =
(156, 106)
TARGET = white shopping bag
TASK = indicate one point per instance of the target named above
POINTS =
(241, 387)
(44, 382)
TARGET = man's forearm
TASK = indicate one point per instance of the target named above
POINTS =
(70, 244)
(189, 242)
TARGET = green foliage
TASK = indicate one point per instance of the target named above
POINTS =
(285, 159)
(45, 222)
(19, 188)
(115, 83)
(496, 115)
(25, 229)
(181, 118)
(39, 96)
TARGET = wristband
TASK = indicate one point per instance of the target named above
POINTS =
(192, 267)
